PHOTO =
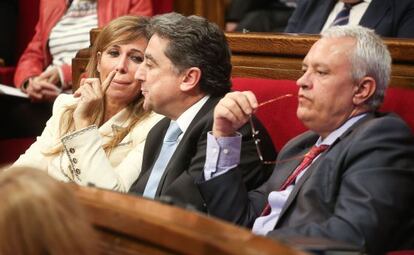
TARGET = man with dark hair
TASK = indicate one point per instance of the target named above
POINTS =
(185, 72)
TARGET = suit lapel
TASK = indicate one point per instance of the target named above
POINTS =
(324, 8)
(375, 13)
(315, 164)
(179, 162)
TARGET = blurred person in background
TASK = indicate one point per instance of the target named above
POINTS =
(259, 15)
(44, 69)
(389, 18)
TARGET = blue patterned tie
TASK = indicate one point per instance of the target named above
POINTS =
(342, 18)
(168, 147)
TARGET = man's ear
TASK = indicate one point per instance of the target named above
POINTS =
(98, 61)
(191, 78)
(364, 90)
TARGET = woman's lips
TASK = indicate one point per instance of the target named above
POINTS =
(119, 82)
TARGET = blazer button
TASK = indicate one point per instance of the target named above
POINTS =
(72, 150)
(77, 171)
(75, 160)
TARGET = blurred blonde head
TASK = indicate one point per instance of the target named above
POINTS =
(40, 216)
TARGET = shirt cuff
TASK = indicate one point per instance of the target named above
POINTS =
(222, 155)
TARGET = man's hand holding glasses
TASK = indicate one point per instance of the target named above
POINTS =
(234, 110)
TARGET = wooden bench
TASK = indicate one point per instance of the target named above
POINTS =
(279, 56)
(134, 225)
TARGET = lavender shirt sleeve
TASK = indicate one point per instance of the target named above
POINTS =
(222, 155)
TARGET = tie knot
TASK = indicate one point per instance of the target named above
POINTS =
(316, 150)
(173, 132)
(350, 5)
(342, 18)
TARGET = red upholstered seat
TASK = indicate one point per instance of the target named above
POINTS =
(279, 117)
(10, 149)
(400, 101)
(162, 6)
(411, 252)
(27, 19)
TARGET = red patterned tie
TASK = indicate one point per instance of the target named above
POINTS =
(307, 160)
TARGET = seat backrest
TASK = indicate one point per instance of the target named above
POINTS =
(279, 117)
(28, 17)
(10, 149)
(401, 102)
(162, 6)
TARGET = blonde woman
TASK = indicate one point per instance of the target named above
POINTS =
(39, 216)
(97, 135)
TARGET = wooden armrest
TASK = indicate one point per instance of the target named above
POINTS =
(133, 225)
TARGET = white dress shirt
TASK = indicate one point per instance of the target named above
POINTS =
(277, 199)
(355, 14)
(187, 117)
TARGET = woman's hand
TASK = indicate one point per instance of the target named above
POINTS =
(43, 88)
(90, 107)
(51, 75)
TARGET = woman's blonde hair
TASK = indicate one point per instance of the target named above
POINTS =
(122, 30)
(40, 216)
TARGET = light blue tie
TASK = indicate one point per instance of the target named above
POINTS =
(167, 150)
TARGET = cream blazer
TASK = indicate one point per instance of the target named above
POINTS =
(83, 159)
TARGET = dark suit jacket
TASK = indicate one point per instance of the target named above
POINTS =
(188, 160)
(360, 191)
(390, 18)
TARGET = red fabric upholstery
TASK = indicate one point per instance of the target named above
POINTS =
(279, 117)
(10, 149)
(411, 252)
(162, 6)
(6, 75)
(400, 101)
(28, 15)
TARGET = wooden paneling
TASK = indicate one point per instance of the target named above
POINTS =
(279, 56)
(213, 10)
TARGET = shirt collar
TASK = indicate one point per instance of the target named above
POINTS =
(331, 138)
(186, 117)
